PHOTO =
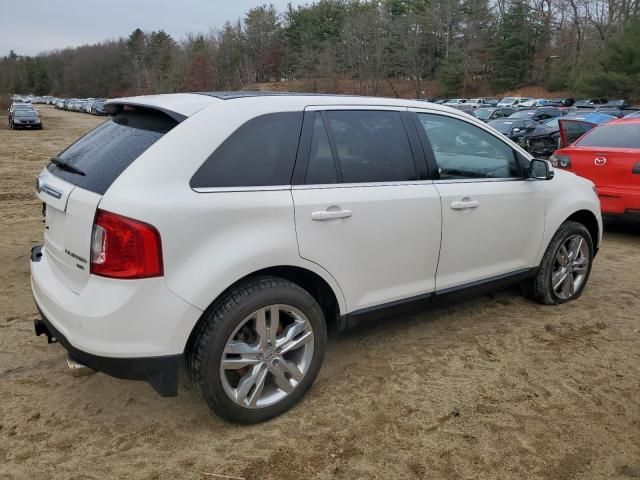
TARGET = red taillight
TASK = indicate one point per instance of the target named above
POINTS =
(124, 248)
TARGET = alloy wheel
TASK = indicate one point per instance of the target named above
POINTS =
(570, 267)
(267, 356)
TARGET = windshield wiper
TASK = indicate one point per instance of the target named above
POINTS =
(60, 163)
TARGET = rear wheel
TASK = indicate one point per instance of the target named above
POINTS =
(565, 267)
(258, 350)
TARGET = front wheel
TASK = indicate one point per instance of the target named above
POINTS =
(258, 350)
(565, 266)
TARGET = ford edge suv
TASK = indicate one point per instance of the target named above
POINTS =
(231, 231)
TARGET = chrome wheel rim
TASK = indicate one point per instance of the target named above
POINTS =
(570, 267)
(267, 356)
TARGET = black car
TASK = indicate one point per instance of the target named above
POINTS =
(590, 102)
(545, 138)
(514, 128)
(537, 115)
(25, 119)
(561, 102)
(486, 114)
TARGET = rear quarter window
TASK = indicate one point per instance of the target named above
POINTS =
(105, 152)
(262, 152)
(612, 136)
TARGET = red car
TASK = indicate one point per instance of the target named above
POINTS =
(609, 156)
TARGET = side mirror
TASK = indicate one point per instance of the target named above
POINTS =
(539, 170)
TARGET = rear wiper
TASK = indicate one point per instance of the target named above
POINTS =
(58, 162)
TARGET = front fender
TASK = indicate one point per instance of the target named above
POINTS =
(567, 195)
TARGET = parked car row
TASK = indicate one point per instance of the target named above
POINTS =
(95, 106)
(537, 129)
(25, 116)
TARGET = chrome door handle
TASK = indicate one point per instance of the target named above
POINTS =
(330, 214)
(464, 204)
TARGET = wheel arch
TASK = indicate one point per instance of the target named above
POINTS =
(589, 220)
(310, 281)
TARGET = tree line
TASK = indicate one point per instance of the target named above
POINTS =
(589, 47)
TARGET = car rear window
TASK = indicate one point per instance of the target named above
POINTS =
(613, 136)
(105, 152)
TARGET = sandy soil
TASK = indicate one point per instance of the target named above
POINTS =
(493, 388)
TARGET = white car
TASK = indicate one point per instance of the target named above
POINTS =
(477, 102)
(456, 101)
(232, 231)
(512, 101)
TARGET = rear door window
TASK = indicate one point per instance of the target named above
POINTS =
(371, 146)
(261, 152)
(105, 152)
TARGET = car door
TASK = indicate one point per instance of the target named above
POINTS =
(364, 208)
(572, 130)
(492, 218)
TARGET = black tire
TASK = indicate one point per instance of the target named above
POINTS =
(218, 324)
(539, 288)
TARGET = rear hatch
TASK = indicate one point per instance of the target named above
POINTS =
(608, 155)
(606, 167)
(72, 185)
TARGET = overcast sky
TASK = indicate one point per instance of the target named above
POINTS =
(33, 26)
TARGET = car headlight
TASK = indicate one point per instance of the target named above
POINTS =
(560, 161)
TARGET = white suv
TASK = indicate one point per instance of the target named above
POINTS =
(231, 231)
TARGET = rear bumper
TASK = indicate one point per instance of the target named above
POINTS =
(619, 201)
(134, 329)
(160, 372)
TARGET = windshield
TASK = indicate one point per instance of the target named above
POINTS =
(613, 136)
(483, 113)
(523, 114)
(507, 100)
(502, 126)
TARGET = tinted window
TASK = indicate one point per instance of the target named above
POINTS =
(321, 168)
(573, 130)
(106, 151)
(372, 146)
(463, 150)
(615, 136)
(259, 153)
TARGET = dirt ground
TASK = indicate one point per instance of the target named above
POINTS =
(493, 388)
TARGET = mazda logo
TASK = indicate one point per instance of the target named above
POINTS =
(599, 161)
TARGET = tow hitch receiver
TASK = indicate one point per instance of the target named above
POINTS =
(41, 329)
